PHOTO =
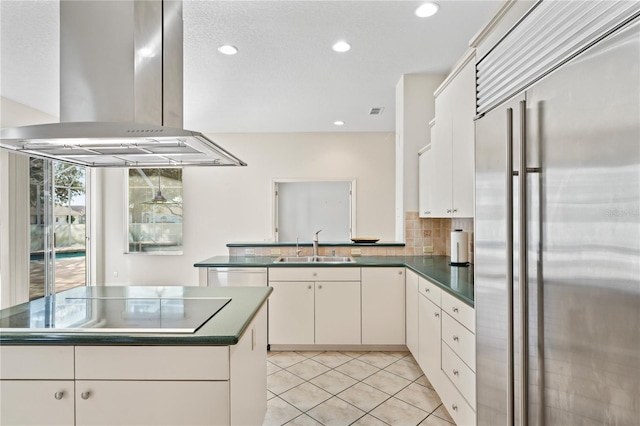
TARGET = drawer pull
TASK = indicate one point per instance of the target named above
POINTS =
(85, 395)
(426, 290)
(320, 287)
(315, 274)
(454, 407)
(455, 338)
(455, 372)
(309, 287)
(58, 395)
(399, 272)
(437, 315)
(455, 310)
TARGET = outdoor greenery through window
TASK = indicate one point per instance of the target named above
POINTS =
(155, 210)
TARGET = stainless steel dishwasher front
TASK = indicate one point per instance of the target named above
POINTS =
(236, 277)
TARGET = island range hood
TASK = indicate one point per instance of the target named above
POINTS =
(120, 91)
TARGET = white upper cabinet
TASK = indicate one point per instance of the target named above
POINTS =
(448, 187)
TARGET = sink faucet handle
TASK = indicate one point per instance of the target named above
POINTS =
(316, 237)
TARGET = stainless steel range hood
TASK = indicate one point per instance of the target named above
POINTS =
(113, 144)
(120, 91)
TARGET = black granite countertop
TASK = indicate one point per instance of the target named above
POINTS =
(224, 328)
(456, 280)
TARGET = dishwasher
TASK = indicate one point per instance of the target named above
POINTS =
(236, 277)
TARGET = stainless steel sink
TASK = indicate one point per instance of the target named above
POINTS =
(314, 259)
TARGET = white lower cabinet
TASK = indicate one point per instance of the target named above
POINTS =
(114, 402)
(446, 349)
(411, 309)
(37, 402)
(291, 313)
(383, 291)
(137, 385)
(430, 339)
(337, 312)
(315, 306)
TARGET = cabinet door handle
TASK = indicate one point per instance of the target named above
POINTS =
(455, 210)
(309, 287)
(85, 395)
(426, 290)
(320, 287)
(448, 210)
(58, 395)
(455, 310)
(455, 338)
(454, 407)
(455, 372)
(437, 315)
(427, 212)
(399, 272)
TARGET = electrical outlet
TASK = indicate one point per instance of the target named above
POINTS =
(356, 252)
(249, 252)
(427, 249)
(115, 274)
(275, 252)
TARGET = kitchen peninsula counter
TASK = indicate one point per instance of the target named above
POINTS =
(456, 280)
(130, 376)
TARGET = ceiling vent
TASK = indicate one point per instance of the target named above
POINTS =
(376, 111)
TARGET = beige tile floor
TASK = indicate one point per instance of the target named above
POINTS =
(350, 388)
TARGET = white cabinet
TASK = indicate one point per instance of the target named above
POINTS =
(291, 313)
(136, 385)
(314, 306)
(452, 146)
(427, 178)
(411, 309)
(37, 402)
(430, 319)
(124, 402)
(383, 291)
(40, 377)
(337, 311)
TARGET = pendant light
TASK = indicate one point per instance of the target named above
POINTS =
(159, 198)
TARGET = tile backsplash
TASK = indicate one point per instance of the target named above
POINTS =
(419, 232)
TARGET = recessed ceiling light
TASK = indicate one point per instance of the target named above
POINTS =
(341, 46)
(228, 49)
(338, 123)
(427, 9)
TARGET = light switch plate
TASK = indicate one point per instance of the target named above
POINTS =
(355, 252)
(427, 249)
(275, 251)
(249, 252)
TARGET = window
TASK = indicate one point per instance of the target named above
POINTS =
(154, 211)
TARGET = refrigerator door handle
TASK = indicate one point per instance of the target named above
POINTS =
(522, 272)
(509, 249)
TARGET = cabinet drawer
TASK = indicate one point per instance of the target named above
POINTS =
(462, 312)
(461, 340)
(456, 405)
(430, 290)
(314, 274)
(460, 375)
(36, 362)
(152, 363)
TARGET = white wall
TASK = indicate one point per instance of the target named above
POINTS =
(415, 108)
(234, 204)
(14, 207)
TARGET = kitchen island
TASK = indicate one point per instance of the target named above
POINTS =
(58, 368)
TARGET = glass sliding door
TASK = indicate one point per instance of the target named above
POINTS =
(58, 227)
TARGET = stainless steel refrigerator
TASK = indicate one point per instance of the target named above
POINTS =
(558, 205)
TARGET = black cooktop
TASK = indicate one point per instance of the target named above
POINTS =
(134, 309)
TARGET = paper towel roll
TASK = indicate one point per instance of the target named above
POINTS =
(459, 247)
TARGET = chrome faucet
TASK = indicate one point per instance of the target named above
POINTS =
(315, 244)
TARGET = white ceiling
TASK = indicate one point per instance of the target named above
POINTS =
(285, 77)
